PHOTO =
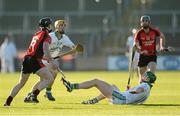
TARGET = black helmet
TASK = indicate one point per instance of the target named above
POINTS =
(145, 17)
(45, 22)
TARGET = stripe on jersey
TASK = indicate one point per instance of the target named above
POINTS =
(118, 95)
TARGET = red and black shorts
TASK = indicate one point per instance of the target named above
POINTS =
(145, 60)
(31, 64)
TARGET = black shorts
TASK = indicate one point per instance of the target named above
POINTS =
(31, 65)
(144, 60)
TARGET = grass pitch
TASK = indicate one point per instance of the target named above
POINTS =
(164, 98)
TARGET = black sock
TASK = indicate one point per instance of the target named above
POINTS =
(36, 92)
(9, 100)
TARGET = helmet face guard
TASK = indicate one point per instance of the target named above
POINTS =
(145, 21)
(151, 77)
(45, 22)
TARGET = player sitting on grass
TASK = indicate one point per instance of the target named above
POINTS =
(136, 95)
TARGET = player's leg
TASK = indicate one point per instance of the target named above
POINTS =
(152, 66)
(152, 63)
(17, 88)
(46, 78)
(142, 70)
(105, 88)
(94, 100)
(142, 65)
(27, 98)
(99, 97)
(48, 92)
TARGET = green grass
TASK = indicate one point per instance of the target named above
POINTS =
(164, 98)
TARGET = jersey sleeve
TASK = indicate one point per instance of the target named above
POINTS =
(67, 42)
(158, 33)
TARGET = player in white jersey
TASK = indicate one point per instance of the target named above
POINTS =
(58, 40)
(136, 95)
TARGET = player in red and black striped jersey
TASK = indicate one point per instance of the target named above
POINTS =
(145, 43)
(32, 63)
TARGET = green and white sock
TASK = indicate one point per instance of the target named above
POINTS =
(75, 86)
(48, 90)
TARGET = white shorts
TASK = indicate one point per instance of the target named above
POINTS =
(118, 97)
(49, 65)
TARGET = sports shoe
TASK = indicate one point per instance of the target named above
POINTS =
(6, 104)
(49, 96)
(67, 85)
(31, 99)
(91, 101)
(27, 98)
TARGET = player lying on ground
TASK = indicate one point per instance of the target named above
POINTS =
(136, 95)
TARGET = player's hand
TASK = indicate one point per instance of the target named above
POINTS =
(144, 52)
(162, 49)
(128, 87)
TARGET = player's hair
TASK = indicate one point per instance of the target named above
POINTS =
(59, 22)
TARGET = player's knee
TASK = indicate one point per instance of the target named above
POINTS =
(51, 79)
(54, 74)
(96, 80)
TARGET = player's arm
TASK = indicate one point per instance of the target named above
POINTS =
(137, 47)
(162, 41)
(137, 91)
(68, 44)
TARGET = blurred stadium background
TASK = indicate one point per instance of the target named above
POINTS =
(102, 26)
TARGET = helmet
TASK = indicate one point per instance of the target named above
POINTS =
(151, 77)
(45, 22)
(59, 22)
(145, 17)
